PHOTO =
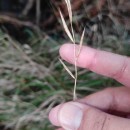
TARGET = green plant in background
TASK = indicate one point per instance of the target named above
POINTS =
(32, 80)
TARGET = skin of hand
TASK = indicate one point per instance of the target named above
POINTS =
(108, 109)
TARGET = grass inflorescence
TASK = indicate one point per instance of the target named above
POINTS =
(71, 35)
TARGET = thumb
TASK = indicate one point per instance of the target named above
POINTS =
(77, 116)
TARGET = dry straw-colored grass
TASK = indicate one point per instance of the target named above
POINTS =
(71, 35)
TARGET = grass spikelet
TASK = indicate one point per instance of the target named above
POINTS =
(66, 27)
(69, 9)
(81, 43)
(67, 69)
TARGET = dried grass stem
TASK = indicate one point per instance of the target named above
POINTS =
(71, 35)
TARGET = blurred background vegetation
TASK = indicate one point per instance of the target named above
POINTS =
(32, 80)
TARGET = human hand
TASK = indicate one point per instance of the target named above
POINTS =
(105, 110)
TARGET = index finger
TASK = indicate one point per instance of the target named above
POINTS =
(101, 62)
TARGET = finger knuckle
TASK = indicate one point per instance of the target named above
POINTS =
(95, 120)
(119, 74)
(93, 61)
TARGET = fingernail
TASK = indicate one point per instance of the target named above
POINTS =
(70, 116)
